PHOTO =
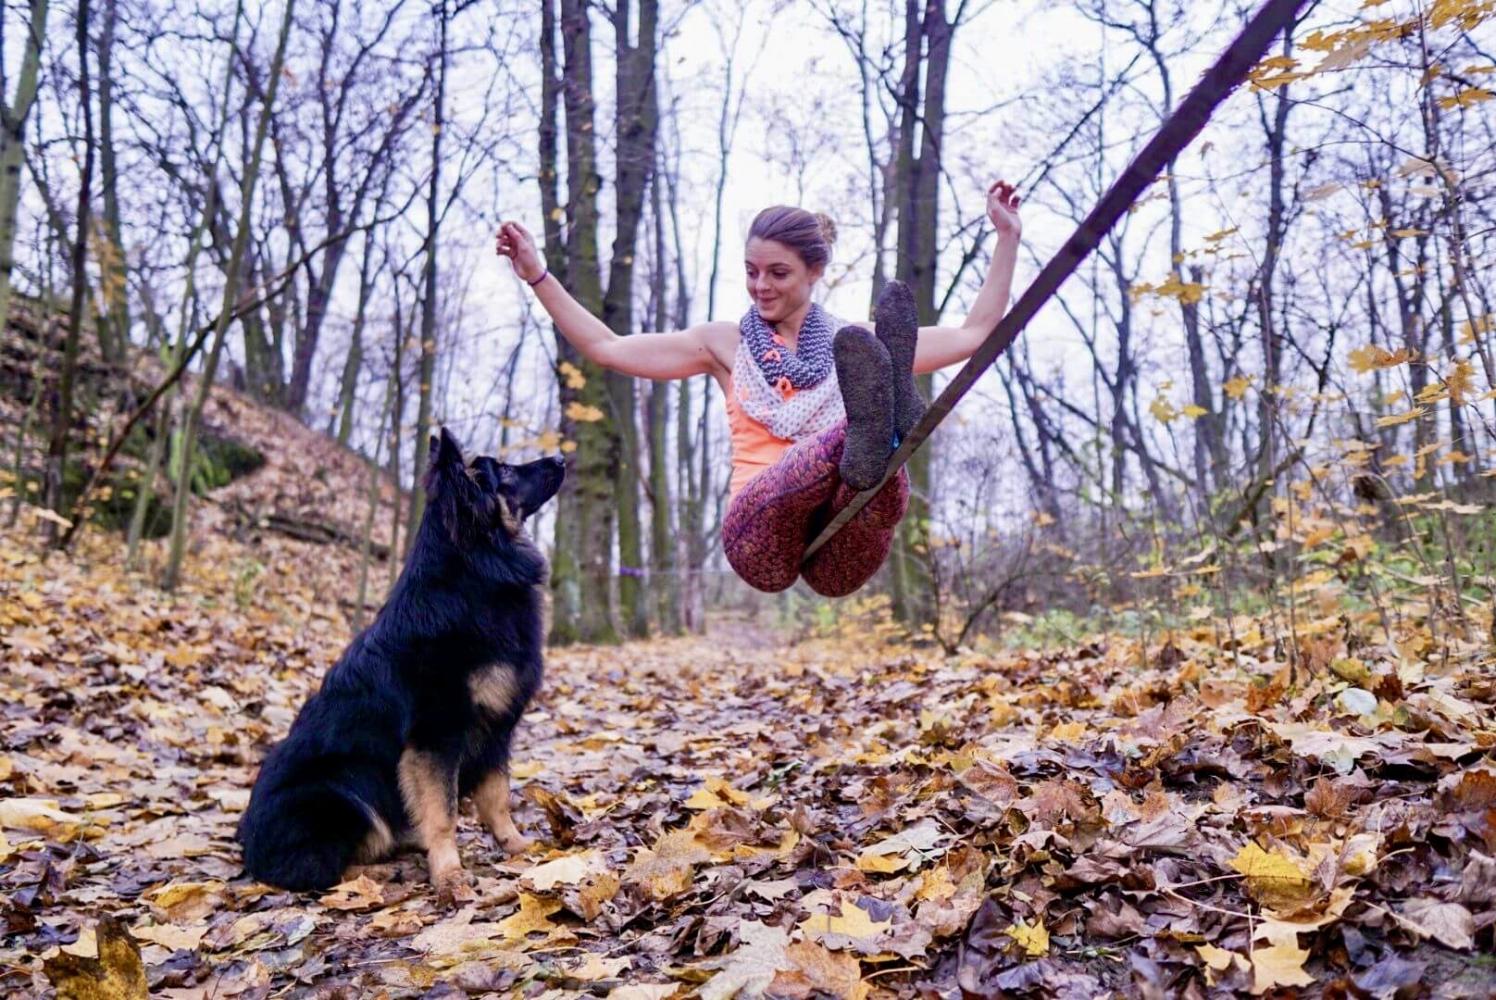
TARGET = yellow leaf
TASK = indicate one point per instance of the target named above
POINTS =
(572, 375)
(1271, 877)
(1461, 382)
(1468, 97)
(1194, 411)
(850, 921)
(1237, 388)
(881, 864)
(1161, 410)
(1215, 958)
(1067, 732)
(1431, 393)
(1470, 328)
(1034, 940)
(582, 413)
(38, 816)
(666, 869)
(1365, 359)
(1280, 965)
(530, 918)
(1401, 418)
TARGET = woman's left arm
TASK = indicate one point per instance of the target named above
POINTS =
(939, 346)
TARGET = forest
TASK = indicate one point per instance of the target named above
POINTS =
(1178, 679)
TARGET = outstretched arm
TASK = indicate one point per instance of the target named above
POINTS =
(939, 346)
(678, 354)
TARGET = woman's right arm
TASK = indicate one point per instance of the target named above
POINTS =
(654, 356)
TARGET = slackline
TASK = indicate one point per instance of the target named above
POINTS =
(1177, 131)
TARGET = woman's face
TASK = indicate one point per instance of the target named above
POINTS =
(779, 282)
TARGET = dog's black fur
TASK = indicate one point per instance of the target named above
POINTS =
(420, 708)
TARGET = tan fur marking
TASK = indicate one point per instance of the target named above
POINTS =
(431, 802)
(494, 688)
(492, 799)
(512, 524)
(378, 842)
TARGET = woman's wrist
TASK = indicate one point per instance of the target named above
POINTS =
(545, 272)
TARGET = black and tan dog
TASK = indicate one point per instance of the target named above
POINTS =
(420, 709)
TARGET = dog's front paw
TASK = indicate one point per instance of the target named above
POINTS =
(515, 843)
(453, 885)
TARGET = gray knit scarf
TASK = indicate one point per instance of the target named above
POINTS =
(807, 365)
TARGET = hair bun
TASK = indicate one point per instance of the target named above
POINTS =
(828, 228)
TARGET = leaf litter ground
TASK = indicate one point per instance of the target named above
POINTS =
(745, 816)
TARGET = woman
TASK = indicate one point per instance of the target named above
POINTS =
(815, 406)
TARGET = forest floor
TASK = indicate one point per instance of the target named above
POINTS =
(835, 817)
(1209, 809)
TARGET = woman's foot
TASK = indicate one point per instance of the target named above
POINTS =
(865, 374)
(897, 323)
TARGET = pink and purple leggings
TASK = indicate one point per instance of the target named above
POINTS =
(772, 521)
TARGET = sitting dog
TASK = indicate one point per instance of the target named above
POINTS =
(420, 708)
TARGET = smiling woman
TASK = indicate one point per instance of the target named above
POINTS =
(815, 405)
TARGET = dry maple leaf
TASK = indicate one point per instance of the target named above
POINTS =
(751, 967)
(1279, 965)
(816, 972)
(361, 893)
(1448, 923)
(666, 869)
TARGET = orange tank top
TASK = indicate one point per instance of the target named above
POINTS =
(754, 446)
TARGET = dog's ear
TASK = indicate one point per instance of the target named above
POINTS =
(444, 450)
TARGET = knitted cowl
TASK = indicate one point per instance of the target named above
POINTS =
(792, 393)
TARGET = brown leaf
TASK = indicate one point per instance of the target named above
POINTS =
(116, 974)
(1448, 923)
(817, 972)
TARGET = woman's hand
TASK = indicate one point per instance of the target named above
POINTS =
(1002, 209)
(516, 243)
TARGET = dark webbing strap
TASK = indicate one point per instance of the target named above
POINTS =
(1177, 131)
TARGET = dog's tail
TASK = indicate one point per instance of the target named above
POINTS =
(304, 837)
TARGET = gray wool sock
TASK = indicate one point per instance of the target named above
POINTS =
(864, 373)
(897, 323)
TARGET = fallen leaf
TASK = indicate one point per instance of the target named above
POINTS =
(569, 869)
(361, 893)
(1032, 938)
(1448, 923)
(750, 968)
(1279, 965)
(41, 816)
(116, 974)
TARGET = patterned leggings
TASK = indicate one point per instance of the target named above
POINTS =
(774, 518)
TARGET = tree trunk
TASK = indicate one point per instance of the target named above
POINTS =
(355, 360)
(230, 297)
(927, 51)
(62, 417)
(582, 568)
(368, 539)
(13, 114)
(114, 329)
(1272, 338)
(428, 299)
(662, 578)
(637, 118)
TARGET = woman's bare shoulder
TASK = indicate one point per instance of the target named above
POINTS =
(721, 338)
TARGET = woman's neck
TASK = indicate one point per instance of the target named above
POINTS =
(789, 327)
